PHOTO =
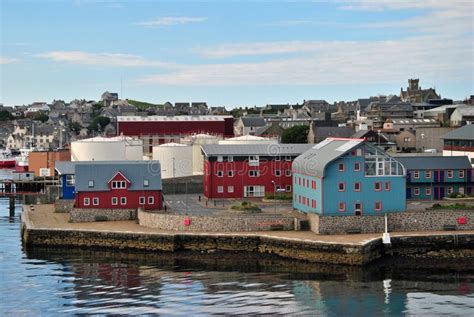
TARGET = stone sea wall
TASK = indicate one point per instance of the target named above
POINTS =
(435, 220)
(63, 205)
(91, 214)
(234, 223)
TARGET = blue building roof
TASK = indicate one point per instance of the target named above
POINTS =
(64, 167)
(102, 172)
(314, 161)
(435, 162)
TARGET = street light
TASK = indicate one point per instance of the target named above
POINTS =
(274, 197)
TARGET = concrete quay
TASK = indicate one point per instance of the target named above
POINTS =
(41, 226)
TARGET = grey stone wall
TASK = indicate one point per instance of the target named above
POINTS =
(63, 205)
(434, 220)
(91, 215)
(233, 223)
(178, 185)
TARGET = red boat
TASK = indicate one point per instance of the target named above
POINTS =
(6, 160)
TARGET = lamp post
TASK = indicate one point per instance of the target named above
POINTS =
(274, 197)
(422, 142)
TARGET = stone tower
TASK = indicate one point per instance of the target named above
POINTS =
(413, 84)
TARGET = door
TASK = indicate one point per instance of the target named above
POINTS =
(358, 209)
(436, 176)
(441, 192)
(441, 176)
(436, 192)
(408, 192)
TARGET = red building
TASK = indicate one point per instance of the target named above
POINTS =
(248, 170)
(118, 185)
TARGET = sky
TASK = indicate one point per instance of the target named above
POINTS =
(233, 53)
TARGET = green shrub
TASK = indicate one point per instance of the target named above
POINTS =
(246, 207)
(279, 196)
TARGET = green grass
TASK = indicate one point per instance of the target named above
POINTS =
(246, 207)
(453, 207)
(279, 196)
(143, 105)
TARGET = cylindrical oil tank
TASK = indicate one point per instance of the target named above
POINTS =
(198, 159)
(98, 149)
(176, 159)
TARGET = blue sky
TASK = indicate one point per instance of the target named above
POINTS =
(233, 53)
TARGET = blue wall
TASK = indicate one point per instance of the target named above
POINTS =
(67, 192)
(307, 192)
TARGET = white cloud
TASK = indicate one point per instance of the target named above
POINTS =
(167, 21)
(102, 59)
(332, 63)
(383, 5)
(7, 60)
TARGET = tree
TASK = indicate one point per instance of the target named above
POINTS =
(99, 123)
(74, 127)
(41, 116)
(5, 116)
(296, 134)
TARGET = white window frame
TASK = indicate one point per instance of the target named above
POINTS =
(220, 158)
(146, 183)
(220, 189)
(220, 173)
(416, 191)
(119, 184)
(87, 201)
(151, 200)
(90, 184)
(277, 173)
(123, 201)
(278, 158)
(288, 188)
(288, 158)
(141, 200)
(70, 180)
(450, 190)
(450, 172)
(95, 201)
(428, 174)
(114, 201)
(230, 158)
(254, 160)
(230, 173)
(288, 172)
(230, 189)
(428, 191)
(461, 173)
(416, 174)
(256, 173)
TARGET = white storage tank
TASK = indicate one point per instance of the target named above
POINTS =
(107, 149)
(176, 159)
(196, 141)
(249, 139)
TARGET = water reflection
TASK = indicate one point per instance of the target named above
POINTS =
(43, 281)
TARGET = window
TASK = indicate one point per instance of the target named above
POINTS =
(230, 189)
(277, 188)
(87, 201)
(288, 188)
(313, 204)
(151, 200)
(219, 158)
(406, 139)
(254, 173)
(450, 173)
(230, 158)
(220, 173)
(146, 183)
(428, 174)
(342, 206)
(141, 200)
(277, 173)
(230, 173)
(119, 184)
(254, 160)
(357, 166)
(288, 172)
(254, 191)
(220, 189)
(416, 174)
(416, 191)
(123, 200)
(70, 180)
(313, 184)
(340, 167)
(450, 190)
(378, 205)
(461, 173)
(95, 201)
(357, 187)
(288, 158)
(387, 186)
(341, 187)
(277, 158)
(428, 191)
(378, 186)
(91, 184)
(114, 201)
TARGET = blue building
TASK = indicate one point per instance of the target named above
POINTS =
(340, 177)
(67, 179)
(435, 177)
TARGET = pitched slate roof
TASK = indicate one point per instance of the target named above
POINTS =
(464, 133)
(253, 121)
(333, 132)
(435, 162)
(102, 172)
(314, 161)
(64, 167)
(273, 149)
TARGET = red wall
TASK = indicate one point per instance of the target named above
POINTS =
(138, 128)
(241, 177)
(105, 199)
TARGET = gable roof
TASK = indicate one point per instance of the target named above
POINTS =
(253, 121)
(463, 133)
(333, 132)
(273, 149)
(135, 171)
(314, 161)
(64, 167)
(435, 162)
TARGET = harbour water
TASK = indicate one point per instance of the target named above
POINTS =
(70, 282)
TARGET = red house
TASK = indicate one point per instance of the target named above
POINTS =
(248, 170)
(118, 185)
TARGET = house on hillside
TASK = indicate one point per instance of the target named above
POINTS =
(460, 142)
(339, 177)
(414, 93)
(317, 134)
(119, 185)
(109, 98)
(249, 125)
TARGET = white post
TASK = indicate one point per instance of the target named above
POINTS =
(386, 235)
